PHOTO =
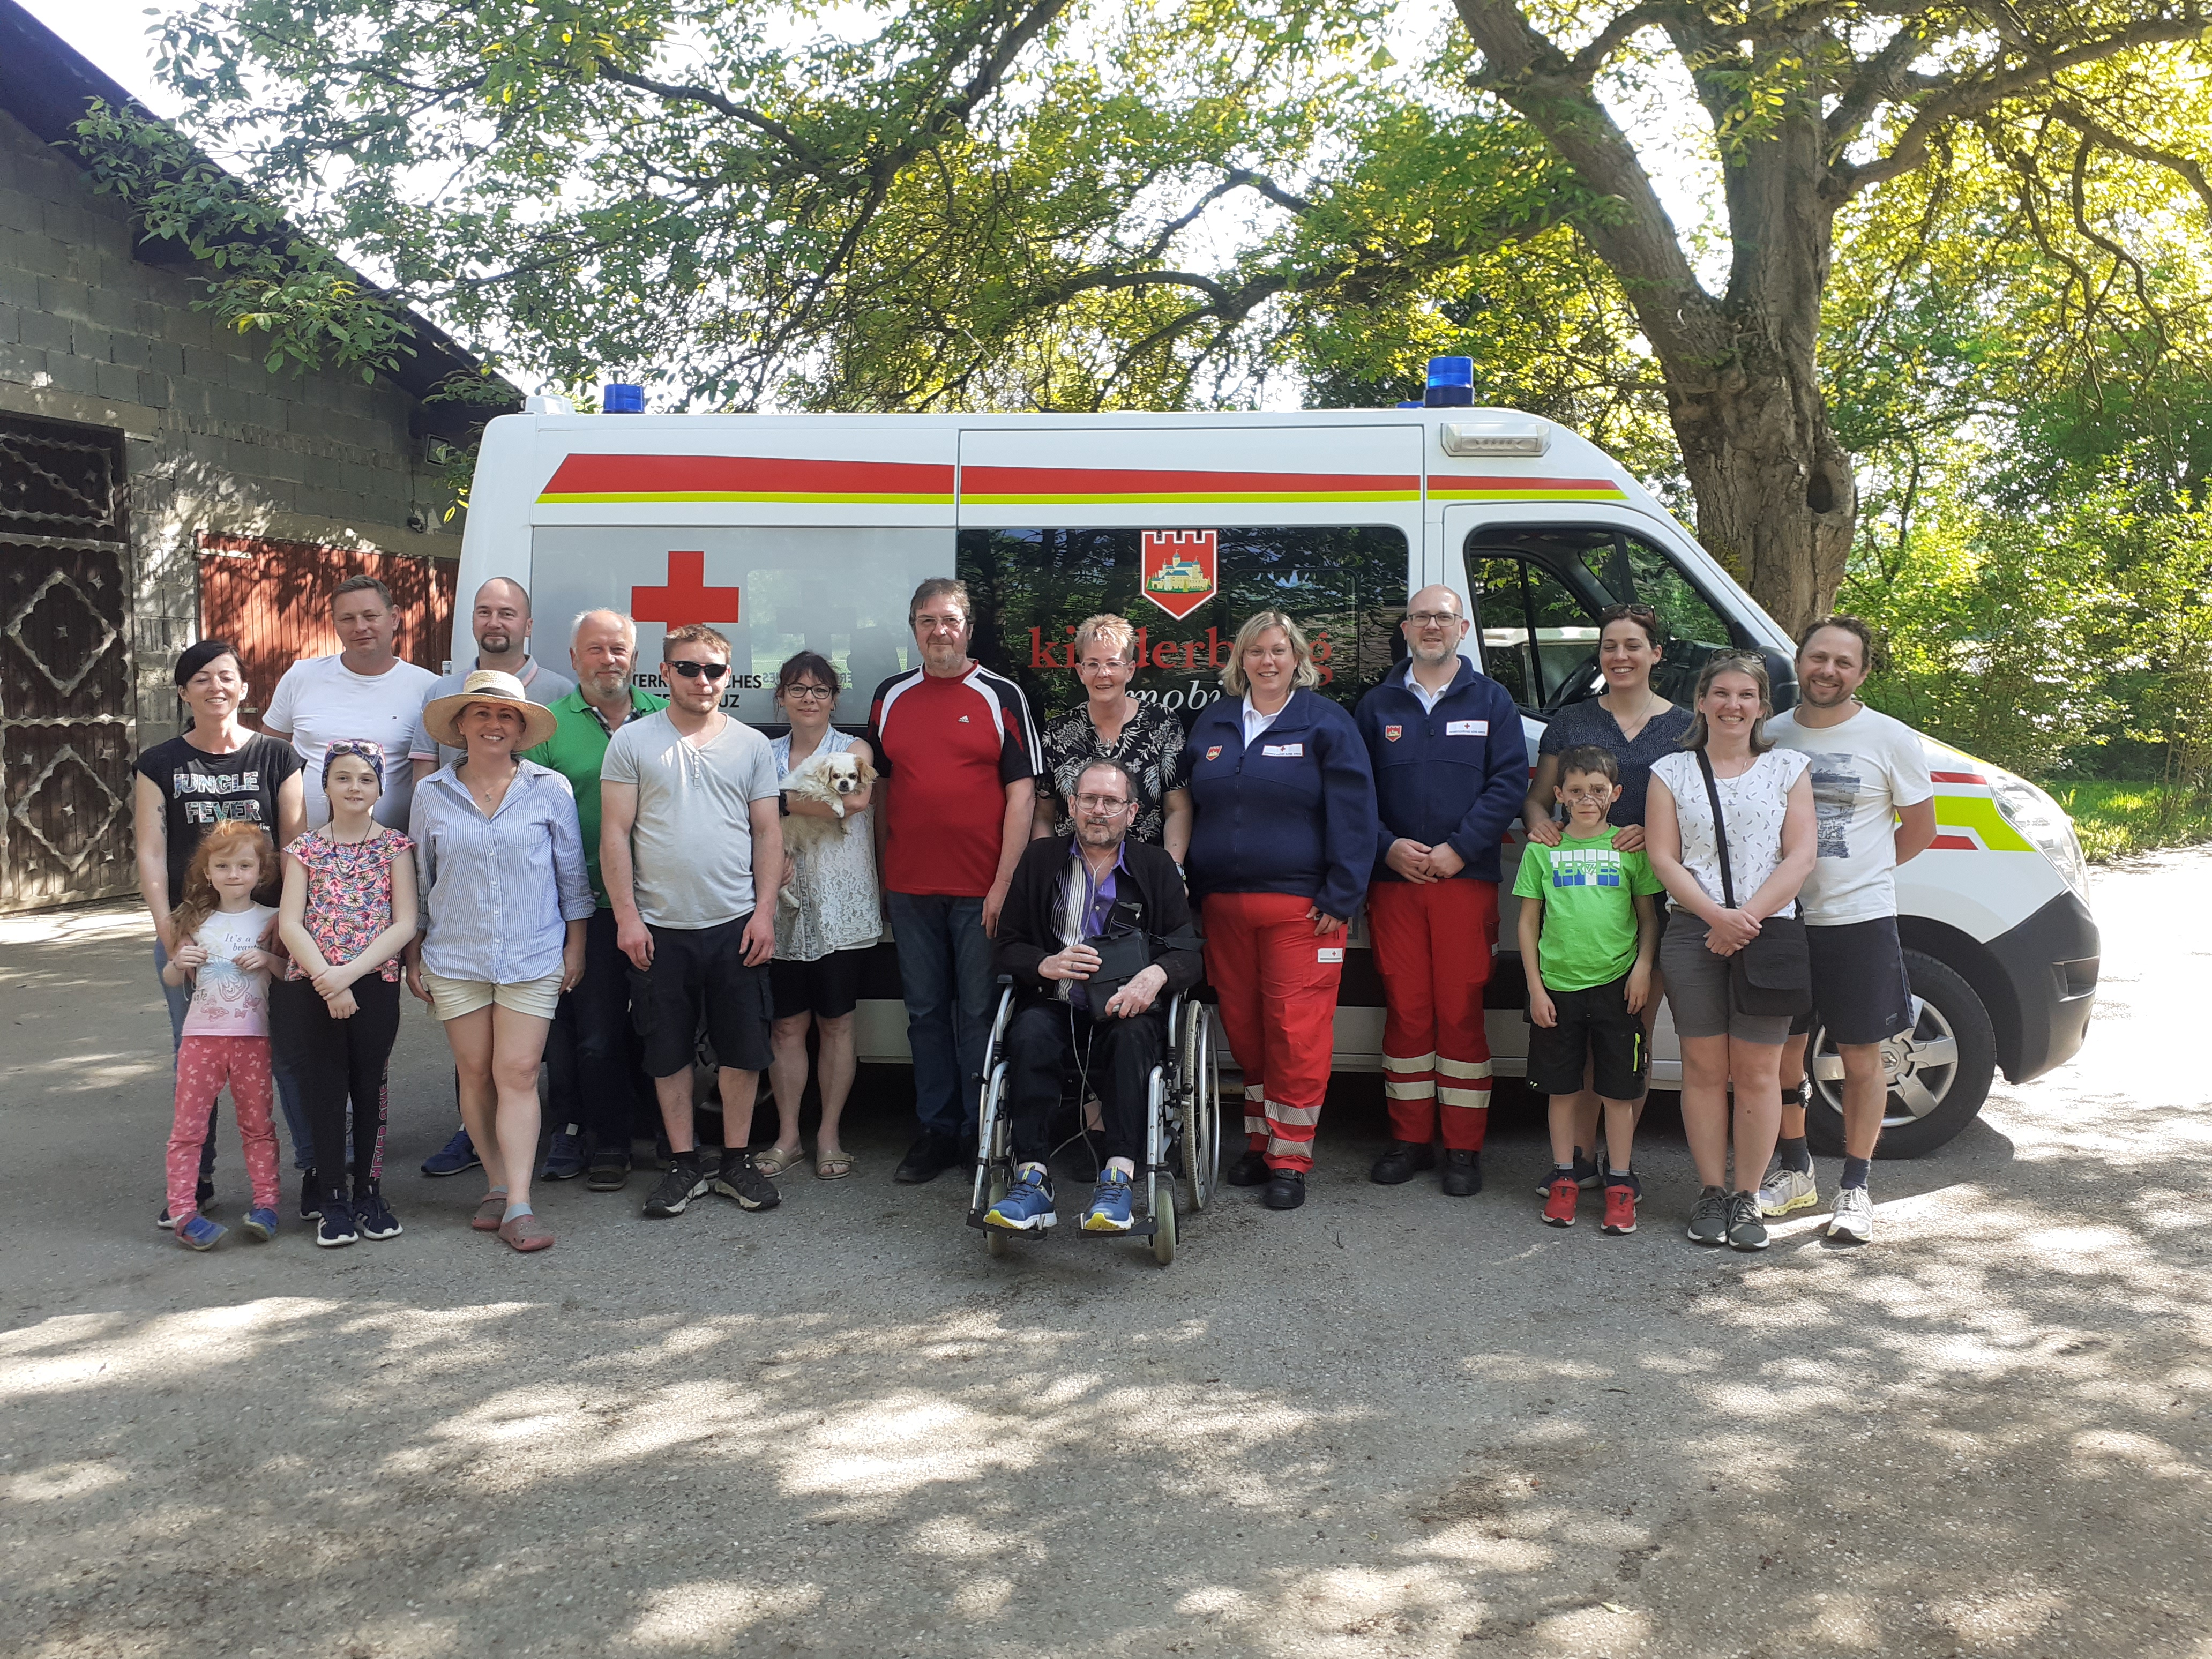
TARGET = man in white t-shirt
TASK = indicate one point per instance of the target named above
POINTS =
(1874, 809)
(365, 693)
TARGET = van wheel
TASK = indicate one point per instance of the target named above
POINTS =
(1939, 1072)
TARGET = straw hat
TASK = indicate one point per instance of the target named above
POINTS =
(488, 686)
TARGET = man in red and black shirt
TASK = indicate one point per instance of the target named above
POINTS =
(956, 764)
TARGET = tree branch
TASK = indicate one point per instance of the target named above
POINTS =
(2192, 171)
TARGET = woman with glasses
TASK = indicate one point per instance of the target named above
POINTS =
(1143, 739)
(821, 939)
(1635, 726)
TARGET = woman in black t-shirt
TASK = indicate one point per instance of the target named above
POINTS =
(1143, 737)
(218, 769)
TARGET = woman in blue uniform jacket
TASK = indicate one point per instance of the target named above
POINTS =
(1282, 841)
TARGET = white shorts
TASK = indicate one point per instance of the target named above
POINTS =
(449, 999)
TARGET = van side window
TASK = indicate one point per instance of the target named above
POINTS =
(1692, 629)
(1539, 638)
(1187, 591)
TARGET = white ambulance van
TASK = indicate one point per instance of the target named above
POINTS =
(810, 531)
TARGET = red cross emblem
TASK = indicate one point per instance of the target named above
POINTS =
(687, 599)
(1393, 733)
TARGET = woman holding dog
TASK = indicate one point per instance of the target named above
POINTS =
(826, 919)
(1143, 739)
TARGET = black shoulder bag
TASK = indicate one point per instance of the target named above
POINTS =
(1773, 974)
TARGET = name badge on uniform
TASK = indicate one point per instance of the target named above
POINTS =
(1329, 953)
(1466, 728)
(1214, 753)
(1284, 751)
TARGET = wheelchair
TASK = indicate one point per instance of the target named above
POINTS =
(1182, 1127)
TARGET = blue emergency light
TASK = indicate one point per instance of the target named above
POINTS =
(1451, 383)
(620, 399)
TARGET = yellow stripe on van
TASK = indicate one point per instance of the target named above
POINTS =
(1978, 813)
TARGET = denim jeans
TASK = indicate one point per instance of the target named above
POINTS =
(945, 973)
(180, 999)
(592, 1049)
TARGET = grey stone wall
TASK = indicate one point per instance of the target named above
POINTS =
(215, 442)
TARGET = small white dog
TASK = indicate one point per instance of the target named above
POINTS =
(828, 779)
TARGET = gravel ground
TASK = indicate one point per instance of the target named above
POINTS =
(1390, 1422)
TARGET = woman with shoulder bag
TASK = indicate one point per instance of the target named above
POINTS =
(1734, 952)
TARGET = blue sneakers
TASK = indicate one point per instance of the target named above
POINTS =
(1110, 1204)
(372, 1215)
(454, 1157)
(200, 1234)
(261, 1225)
(564, 1156)
(1027, 1208)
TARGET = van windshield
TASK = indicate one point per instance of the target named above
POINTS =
(1187, 591)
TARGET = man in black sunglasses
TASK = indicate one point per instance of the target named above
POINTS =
(691, 851)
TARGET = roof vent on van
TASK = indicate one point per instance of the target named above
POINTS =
(1474, 440)
(547, 403)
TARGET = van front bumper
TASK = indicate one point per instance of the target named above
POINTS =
(2050, 963)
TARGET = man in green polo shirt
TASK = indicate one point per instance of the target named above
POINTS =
(589, 1054)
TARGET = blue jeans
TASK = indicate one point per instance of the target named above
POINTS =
(945, 973)
(180, 999)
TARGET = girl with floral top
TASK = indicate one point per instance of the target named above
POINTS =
(348, 911)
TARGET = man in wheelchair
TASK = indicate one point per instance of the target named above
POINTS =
(1095, 934)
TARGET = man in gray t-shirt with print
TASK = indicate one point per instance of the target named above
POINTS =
(689, 836)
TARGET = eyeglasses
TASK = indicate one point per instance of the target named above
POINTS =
(809, 694)
(1594, 792)
(1432, 618)
(700, 671)
(929, 624)
(1613, 613)
(1103, 805)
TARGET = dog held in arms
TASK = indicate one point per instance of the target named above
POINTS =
(827, 779)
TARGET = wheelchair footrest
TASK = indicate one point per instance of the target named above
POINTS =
(1140, 1230)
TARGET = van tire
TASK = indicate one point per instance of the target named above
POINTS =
(1954, 1022)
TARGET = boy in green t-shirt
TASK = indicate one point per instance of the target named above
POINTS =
(1589, 931)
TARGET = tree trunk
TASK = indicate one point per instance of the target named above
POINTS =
(1777, 503)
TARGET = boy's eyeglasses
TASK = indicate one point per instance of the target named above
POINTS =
(1601, 792)
(700, 671)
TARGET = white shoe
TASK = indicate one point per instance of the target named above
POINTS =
(1784, 1190)
(1854, 1217)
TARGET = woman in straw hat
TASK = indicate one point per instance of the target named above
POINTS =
(504, 899)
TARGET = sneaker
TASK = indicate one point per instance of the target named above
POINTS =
(686, 1179)
(1028, 1207)
(456, 1156)
(1853, 1216)
(1588, 1173)
(261, 1225)
(1559, 1201)
(311, 1196)
(373, 1215)
(1784, 1190)
(1110, 1204)
(1746, 1231)
(200, 1234)
(1709, 1222)
(1463, 1176)
(202, 1200)
(737, 1178)
(610, 1173)
(336, 1227)
(564, 1156)
(1620, 1208)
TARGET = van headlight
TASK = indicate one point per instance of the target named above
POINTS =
(2044, 822)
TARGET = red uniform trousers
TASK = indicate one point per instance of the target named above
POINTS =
(1433, 942)
(1276, 982)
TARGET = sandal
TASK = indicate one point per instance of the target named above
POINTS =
(773, 1161)
(525, 1233)
(832, 1166)
(490, 1211)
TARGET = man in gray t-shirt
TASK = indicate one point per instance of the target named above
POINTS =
(689, 836)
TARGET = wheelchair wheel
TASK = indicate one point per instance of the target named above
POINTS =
(1201, 1108)
(1163, 1221)
(995, 1140)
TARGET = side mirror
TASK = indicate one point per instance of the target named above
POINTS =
(1782, 677)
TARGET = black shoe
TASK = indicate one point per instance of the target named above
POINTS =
(372, 1215)
(1405, 1160)
(202, 1200)
(929, 1157)
(311, 1196)
(1286, 1189)
(1250, 1171)
(737, 1179)
(337, 1226)
(609, 1172)
(686, 1179)
(1589, 1174)
(1462, 1172)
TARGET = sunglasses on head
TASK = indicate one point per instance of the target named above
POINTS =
(1613, 613)
(700, 671)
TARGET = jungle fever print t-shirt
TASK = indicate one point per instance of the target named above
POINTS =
(200, 790)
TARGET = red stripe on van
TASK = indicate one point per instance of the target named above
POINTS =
(742, 475)
(1460, 484)
(1958, 777)
(1100, 483)
(1955, 843)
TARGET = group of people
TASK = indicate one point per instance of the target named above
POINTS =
(580, 871)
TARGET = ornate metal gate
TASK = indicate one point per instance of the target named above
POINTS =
(68, 713)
